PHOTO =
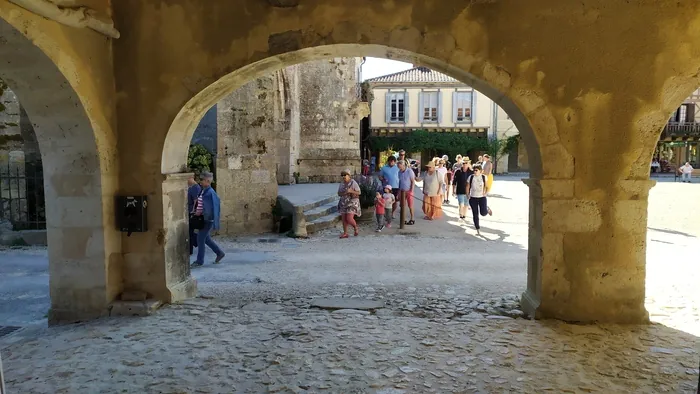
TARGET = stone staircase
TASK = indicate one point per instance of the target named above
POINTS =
(321, 214)
(310, 214)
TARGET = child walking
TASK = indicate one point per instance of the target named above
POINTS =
(379, 209)
(389, 200)
(382, 208)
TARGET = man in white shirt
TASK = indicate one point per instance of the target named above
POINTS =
(686, 172)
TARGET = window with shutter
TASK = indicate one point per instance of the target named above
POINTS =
(429, 105)
(396, 107)
(463, 107)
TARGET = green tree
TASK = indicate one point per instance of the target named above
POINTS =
(199, 159)
(447, 143)
(496, 148)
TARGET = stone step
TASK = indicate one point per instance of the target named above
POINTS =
(322, 223)
(318, 203)
(323, 210)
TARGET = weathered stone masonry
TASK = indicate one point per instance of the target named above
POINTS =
(562, 70)
(303, 119)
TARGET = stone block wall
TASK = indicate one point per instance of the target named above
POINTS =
(304, 118)
(330, 116)
(19, 157)
(248, 122)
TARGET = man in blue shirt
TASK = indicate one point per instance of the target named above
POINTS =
(208, 206)
(193, 190)
(389, 175)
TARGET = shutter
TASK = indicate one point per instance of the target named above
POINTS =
(690, 113)
(473, 114)
(406, 111)
(387, 112)
(421, 107)
(454, 106)
(439, 106)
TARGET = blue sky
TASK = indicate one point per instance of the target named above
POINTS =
(375, 67)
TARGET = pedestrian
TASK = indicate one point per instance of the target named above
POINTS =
(442, 173)
(379, 211)
(460, 188)
(349, 204)
(487, 169)
(389, 175)
(402, 155)
(477, 191)
(389, 201)
(207, 206)
(686, 172)
(193, 190)
(448, 177)
(407, 181)
(433, 183)
(365, 167)
(458, 163)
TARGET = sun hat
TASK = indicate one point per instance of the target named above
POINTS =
(430, 164)
(387, 187)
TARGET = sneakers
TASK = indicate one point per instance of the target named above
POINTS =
(380, 228)
(219, 258)
(196, 264)
(388, 225)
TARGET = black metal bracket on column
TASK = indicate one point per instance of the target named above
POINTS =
(132, 214)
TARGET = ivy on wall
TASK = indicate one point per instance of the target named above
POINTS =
(450, 144)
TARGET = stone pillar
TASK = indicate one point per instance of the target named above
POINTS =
(587, 251)
(249, 122)
(330, 113)
(181, 285)
(289, 140)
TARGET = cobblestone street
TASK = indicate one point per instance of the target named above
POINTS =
(449, 320)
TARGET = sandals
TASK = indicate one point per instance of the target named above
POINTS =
(410, 222)
(344, 235)
(356, 232)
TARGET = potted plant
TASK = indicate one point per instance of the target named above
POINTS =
(369, 186)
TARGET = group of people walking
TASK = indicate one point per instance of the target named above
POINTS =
(470, 183)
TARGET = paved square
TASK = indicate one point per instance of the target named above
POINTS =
(451, 321)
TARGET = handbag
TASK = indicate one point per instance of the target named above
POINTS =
(196, 221)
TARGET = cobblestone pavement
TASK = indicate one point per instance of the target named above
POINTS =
(203, 347)
(451, 321)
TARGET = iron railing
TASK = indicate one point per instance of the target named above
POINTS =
(22, 196)
(677, 129)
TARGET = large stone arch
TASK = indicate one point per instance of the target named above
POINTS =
(174, 155)
(588, 83)
(74, 140)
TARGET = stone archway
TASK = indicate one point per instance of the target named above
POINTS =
(174, 157)
(79, 190)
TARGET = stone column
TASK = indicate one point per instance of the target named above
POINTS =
(250, 120)
(587, 251)
(181, 285)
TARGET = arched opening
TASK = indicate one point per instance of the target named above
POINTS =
(180, 133)
(78, 199)
(673, 231)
